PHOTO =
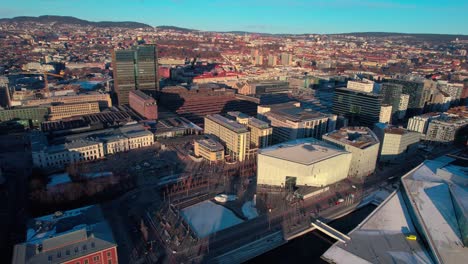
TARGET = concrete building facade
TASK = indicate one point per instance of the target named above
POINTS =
(402, 106)
(209, 149)
(362, 143)
(60, 111)
(291, 121)
(396, 143)
(445, 128)
(385, 115)
(360, 108)
(362, 86)
(234, 136)
(421, 123)
(261, 133)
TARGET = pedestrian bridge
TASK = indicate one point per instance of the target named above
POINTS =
(330, 231)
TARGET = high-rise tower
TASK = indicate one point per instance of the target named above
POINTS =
(135, 69)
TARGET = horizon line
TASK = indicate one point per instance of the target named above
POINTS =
(246, 31)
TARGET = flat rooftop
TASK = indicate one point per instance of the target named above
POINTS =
(237, 114)
(211, 144)
(142, 95)
(228, 123)
(304, 151)
(359, 137)
(258, 123)
(290, 111)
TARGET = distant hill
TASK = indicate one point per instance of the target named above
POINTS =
(421, 36)
(181, 29)
(74, 21)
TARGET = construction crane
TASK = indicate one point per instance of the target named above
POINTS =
(46, 82)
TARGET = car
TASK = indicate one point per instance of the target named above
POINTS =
(411, 237)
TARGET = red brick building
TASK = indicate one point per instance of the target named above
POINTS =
(143, 104)
(79, 236)
(196, 103)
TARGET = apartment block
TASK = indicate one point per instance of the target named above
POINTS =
(260, 131)
(234, 136)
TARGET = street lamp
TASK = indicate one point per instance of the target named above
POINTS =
(269, 218)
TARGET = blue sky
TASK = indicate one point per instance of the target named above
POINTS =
(273, 16)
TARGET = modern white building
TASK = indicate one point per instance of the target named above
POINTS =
(385, 115)
(396, 143)
(363, 86)
(302, 162)
(445, 128)
(403, 106)
(362, 143)
(421, 123)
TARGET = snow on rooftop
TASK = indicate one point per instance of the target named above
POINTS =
(207, 218)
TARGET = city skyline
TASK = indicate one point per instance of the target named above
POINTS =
(296, 17)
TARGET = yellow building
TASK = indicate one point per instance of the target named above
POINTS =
(209, 149)
(260, 131)
(234, 136)
(60, 111)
